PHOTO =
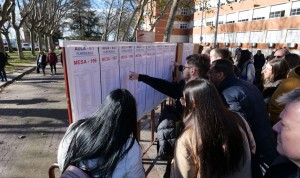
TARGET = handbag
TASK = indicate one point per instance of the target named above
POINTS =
(74, 172)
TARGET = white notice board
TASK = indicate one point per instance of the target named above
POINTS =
(96, 68)
(140, 88)
(159, 68)
(110, 76)
(84, 76)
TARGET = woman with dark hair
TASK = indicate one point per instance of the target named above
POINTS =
(246, 66)
(105, 144)
(214, 141)
(275, 71)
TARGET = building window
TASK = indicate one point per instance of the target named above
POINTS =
(184, 11)
(231, 1)
(230, 21)
(243, 20)
(277, 14)
(258, 18)
(209, 23)
(295, 12)
(183, 26)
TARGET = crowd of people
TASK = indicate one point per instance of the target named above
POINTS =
(220, 124)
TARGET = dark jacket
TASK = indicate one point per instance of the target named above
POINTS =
(44, 60)
(171, 89)
(283, 168)
(259, 62)
(167, 132)
(52, 58)
(170, 119)
(3, 60)
(246, 99)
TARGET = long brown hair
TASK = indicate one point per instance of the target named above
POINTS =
(280, 69)
(219, 141)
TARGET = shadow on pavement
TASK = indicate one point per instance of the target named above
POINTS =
(27, 101)
(59, 114)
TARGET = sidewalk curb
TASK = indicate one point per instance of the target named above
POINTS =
(16, 76)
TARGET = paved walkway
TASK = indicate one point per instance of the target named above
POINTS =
(33, 119)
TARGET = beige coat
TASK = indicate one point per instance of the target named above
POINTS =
(185, 162)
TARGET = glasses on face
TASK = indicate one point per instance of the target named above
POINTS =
(184, 67)
(278, 56)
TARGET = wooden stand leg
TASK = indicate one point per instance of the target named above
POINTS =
(138, 125)
(152, 124)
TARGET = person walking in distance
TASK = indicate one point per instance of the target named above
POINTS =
(3, 62)
(41, 62)
(52, 60)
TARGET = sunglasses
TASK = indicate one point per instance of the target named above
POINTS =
(278, 56)
(184, 67)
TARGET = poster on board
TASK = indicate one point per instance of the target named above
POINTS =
(150, 70)
(140, 88)
(109, 62)
(126, 53)
(159, 68)
(188, 49)
(84, 85)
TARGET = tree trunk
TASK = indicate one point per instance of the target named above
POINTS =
(50, 41)
(170, 21)
(105, 34)
(119, 20)
(32, 41)
(10, 50)
(162, 14)
(18, 37)
(129, 24)
(140, 18)
(46, 43)
(40, 41)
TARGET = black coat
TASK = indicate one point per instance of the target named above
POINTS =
(3, 60)
(43, 62)
(170, 119)
(171, 89)
(282, 168)
(246, 99)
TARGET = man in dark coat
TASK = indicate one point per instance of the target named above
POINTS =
(41, 62)
(196, 66)
(3, 62)
(246, 99)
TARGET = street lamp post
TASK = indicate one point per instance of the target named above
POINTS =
(217, 22)
(201, 37)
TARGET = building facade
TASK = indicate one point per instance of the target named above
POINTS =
(266, 25)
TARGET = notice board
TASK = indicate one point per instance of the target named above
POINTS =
(94, 69)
